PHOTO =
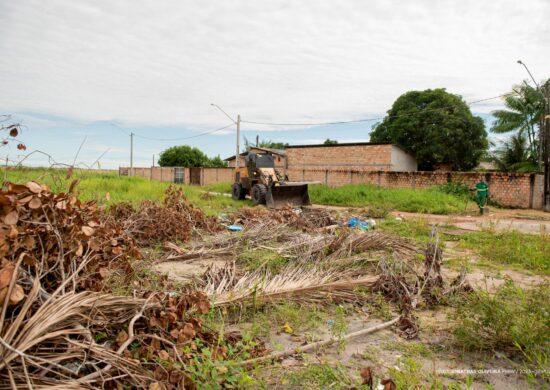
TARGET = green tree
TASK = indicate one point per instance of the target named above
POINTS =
(329, 141)
(183, 156)
(437, 127)
(217, 162)
(523, 114)
(514, 155)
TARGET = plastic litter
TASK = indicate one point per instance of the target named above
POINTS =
(356, 223)
(234, 228)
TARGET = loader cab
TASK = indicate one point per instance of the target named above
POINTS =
(259, 160)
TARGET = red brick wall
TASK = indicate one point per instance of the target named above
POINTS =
(357, 157)
(521, 190)
(216, 175)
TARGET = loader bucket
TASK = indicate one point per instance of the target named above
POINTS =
(287, 194)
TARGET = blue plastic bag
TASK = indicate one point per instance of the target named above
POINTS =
(356, 223)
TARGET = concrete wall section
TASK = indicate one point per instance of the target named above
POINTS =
(401, 161)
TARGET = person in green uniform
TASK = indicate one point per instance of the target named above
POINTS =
(482, 194)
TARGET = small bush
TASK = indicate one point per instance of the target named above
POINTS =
(513, 320)
(457, 189)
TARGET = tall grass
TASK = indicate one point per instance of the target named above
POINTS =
(431, 200)
(109, 188)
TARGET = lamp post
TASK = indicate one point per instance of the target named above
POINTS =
(238, 123)
(544, 137)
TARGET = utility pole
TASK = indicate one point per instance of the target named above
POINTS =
(153, 160)
(546, 120)
(131, 154)
(257, 140)
(237, 155)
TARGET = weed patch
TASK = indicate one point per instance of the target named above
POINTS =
(529, 251)
(319, 376)
(513, 320)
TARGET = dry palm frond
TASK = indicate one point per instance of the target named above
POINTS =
(351, 243)
(295, 283)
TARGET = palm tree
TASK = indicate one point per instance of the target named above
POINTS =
(525, 108)
(514, 155)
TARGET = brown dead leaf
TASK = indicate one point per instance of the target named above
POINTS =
(163, 355)
(3, 293)
(388, 384)
(11, 218)
(157, 386)
(80, 250)
(87, 230)
(104, 272)
(14, 132)
(35, 203)
(21, 147)
(17, 294)
(122, 337)
(13, 232)
(69, 173)
(28, 242)
(34, 187)
(6, 274)
(25, 199)
(107, 196)
(366, 375)
(188, 330)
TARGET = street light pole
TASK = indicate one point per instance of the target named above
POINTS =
(546, 121)
(544, 137)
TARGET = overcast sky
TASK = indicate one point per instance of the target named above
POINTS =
(70, 69)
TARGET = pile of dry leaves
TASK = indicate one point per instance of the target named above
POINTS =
(173, 220)
(57, 233)
(306, 218)
(58, 325)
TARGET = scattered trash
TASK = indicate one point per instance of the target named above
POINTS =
(287, 328)
(234, 228)
(357, 223)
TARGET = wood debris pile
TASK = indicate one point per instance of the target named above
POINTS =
(60, 326)
(173, 220)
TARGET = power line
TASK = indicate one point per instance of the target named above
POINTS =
(172, 139)
(366, 119)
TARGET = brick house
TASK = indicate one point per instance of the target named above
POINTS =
(359, 156)
(279, 156)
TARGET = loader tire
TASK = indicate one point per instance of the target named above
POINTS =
(238, 192)
(258, 193)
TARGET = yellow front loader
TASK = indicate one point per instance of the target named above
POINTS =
(264, 184)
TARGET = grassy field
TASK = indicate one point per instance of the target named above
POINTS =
(525, 251)
(96, 185)
(431, 200)
(109, 188)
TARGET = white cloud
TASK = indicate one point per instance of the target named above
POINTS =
(163, 63)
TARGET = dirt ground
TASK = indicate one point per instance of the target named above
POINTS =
(524, 221)
(433, 351)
